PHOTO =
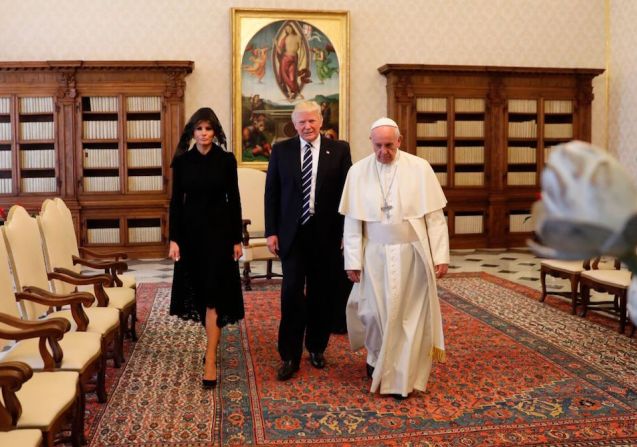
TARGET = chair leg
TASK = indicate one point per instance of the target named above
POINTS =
(574, 281)
(77, 429)
(133, 323)
(113, 348)
(101, 380)
(543, 282)
(123, 325)
(49, 438)
(246, 276)
(268, 273)
(585, 291)
(622, 312)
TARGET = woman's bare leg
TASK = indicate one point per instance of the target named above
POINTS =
(213, 333)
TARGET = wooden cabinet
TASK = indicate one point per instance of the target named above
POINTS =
(487, 132)
(101, 136)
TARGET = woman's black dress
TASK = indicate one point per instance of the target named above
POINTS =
(205, 221)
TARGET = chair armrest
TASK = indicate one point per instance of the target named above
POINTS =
(117, 255)
(75, 300)
(12, 376)
(245, 232)
(112, 268)
(41, 296)
(48, 331)
(98, 281)
(56, 325)
(79, 279)
(119, 266)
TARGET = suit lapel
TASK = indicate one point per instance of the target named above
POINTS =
(295, 159)
(323, 165)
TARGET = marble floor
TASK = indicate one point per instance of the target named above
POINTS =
(519, 265)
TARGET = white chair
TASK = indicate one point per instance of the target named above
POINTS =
(22, 438)
(79, 351)
(613, 282)
(110, 261)
(569, 270)
(252, 191)
(60, 258)
(24, 245)
(45, 401)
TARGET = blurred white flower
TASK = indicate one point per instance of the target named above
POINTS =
(631, 306)
(588, 206)
(588, 209)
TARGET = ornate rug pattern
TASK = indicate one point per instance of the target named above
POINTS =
(518, 372)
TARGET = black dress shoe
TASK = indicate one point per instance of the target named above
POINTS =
(317, 359)
(287, 370)
(370, 370)
(399, 396)
(208, 384)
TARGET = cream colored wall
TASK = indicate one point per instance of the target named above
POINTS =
(564, 33)
(622, 127)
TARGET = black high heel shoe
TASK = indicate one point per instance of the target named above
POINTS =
(208, 384)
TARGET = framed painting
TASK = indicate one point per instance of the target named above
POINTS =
(279, 58)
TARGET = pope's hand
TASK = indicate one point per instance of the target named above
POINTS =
(354, 275)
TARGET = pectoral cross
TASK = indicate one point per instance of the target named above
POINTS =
(386, 209)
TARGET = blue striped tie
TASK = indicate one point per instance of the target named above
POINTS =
(306, 181)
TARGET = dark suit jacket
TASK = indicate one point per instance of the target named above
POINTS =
(283, 192)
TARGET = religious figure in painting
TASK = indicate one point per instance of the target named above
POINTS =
(258, 60)
(321, 57)
(291, 66)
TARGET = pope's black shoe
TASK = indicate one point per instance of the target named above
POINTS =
(317, 359)
(287, 370)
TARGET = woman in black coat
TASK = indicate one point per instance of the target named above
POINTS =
(205, 233)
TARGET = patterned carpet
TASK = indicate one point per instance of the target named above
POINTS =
(518, 372)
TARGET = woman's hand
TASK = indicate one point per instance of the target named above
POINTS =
(238, 251)
(173, 251)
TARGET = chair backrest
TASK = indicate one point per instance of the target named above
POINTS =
(8, 304)
(252, 191)
(24, 245)
(56, 247)
(68, 229)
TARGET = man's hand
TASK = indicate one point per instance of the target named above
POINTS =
(354, 275)
(273, 244)
(173, 251)
(238, 252)
(441, 270)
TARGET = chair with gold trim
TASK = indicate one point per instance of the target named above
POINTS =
(252, 191)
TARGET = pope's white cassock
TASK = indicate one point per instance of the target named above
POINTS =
(394, 311)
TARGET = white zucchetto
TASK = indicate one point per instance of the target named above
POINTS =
(384, 121)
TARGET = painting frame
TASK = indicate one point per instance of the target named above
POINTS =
(263, 91)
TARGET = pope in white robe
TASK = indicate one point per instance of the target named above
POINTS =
(396, 243)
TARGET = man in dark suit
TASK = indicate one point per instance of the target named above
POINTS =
(303, 189)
